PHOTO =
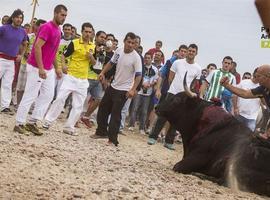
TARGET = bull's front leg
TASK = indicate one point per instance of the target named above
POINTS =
(191, 163)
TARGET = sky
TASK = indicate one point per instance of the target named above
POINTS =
(219, 27)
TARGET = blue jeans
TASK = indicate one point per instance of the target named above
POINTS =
(250, 123)
(124, 113)
(95, 89)
(142, 102)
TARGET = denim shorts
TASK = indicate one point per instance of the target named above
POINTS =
(95, 89)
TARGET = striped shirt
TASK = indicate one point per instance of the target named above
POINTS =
(215, 88)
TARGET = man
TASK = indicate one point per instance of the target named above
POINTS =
(22, 72)
(142, 100)
(176, 76)
(80, 52)
(215, 90)
(95, 88)
(128, 65)
(262, 91)
(13, 42)
(246, 110)
(40, 81)
(158, 46)
(235, 73)
(247, 75)
(62, 63)
(5, 19)
(162, 85)
(125, 109)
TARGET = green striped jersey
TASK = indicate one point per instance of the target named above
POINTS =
(215, 88)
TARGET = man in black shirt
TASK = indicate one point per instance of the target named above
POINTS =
(262, 91)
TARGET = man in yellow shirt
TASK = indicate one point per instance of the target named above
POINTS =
(80, 52)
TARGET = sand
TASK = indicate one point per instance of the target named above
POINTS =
(60, 166)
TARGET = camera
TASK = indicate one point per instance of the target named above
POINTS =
(101, 53)
(144, 90)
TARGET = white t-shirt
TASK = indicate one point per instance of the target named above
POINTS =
(180, 67)
(127, 66)
(248, 108)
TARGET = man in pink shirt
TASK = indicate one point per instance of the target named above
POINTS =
(40, 74)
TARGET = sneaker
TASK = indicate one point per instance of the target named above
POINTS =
(7, 111)
(151, 141)
(95, 136)
(86, 122)
(121, 132)
(131, 128)
(21, 129)
(169, 146)
(46, 125)
(69, 132)
(142, 132)
(33, 128)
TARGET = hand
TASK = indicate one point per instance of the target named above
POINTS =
(59, 73)
(101, 77)
(18, 58)
(158, 93)
(131, 93)
(65, 69)
(236, 111)
(42, 73)
(224, 81)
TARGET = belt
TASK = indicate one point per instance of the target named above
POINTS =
(7, 57)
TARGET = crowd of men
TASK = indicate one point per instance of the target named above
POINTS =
(44, 71)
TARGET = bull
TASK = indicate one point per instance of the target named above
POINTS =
(216, 144)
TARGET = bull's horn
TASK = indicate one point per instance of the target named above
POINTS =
(187, 90)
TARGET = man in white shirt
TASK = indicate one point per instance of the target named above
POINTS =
(176, 77)
(246, 110)
(128, 65)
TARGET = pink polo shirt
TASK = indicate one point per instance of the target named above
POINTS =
(51, 34)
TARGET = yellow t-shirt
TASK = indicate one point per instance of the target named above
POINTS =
(79, 60)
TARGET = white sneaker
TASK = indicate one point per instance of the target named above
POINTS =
(131, 128)
(46, 125)
(142, 132)
(69, 132)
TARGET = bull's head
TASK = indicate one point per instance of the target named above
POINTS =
(182, 110)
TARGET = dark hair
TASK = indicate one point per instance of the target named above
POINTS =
(115, 40)
(87, 24)
(138, 37)
(110, 35)
(228, 58)
(211, 64)
(40, 22)
(160, 52)
(25, 25)
(67, 25)
(147, 53)
(175, 51)
(183, 46)
(247, 73)
(233, 62)
(60, 7)
(130, 35)
(255, 71)
(100, 32)
(16, 13)
(159, 41)
(194, 46)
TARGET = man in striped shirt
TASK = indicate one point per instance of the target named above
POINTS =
(212, 83)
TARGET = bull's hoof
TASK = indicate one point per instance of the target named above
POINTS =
(176, 167)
